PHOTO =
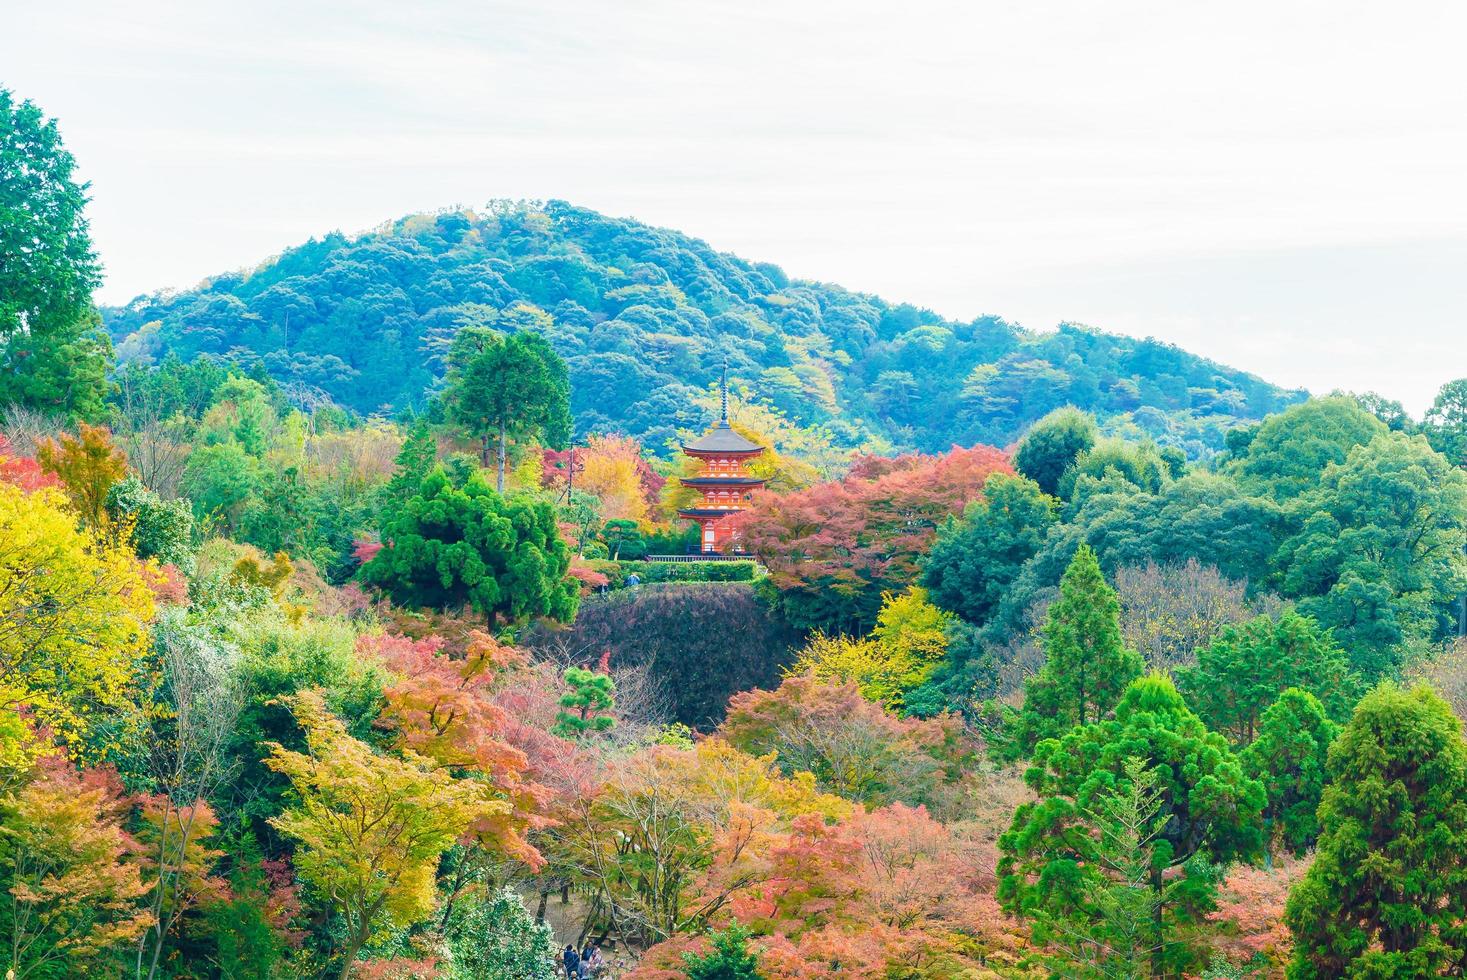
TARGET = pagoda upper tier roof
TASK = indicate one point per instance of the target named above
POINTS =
(723, 481)
(722, 439)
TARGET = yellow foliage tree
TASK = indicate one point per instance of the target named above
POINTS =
(74, 608)
(609, 470)
(909, 641)
(371, 828)
(87, 465)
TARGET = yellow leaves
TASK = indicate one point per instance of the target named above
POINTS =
(909, 641)
(371, 827)
(73, 613)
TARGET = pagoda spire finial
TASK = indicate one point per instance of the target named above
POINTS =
(723, 419)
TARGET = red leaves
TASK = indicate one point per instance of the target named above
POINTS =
(868, 529)
(22, 471)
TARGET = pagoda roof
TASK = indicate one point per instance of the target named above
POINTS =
(723, 481)
(722, 439)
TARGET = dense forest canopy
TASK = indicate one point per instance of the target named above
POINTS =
(644, 317)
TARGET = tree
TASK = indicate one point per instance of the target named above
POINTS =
(370, 829)
(590, 694)
(902, 652)
(833, 549)
(976, 558)
(1086, 662)
(1289, 757)
(1052, 445)
(53, 355)
(1242, 672)
(73, 895)
(503, 386)
(854, 748)
(451, 546)
(415, 460)
(1169, 612)
(1068, 851)
(729, 959)
(74, 610)
(160, 529)
(1378, 557)
(1386, 895)
(1292, 449)
(619, 534)
(493, 937)
(87, 466)
(1445, 424)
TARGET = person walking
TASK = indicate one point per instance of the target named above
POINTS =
(586, 963)
(598, 960)
(572, 961)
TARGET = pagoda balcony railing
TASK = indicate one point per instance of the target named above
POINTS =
(701, 556)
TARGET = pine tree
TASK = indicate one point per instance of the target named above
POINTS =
(590, 694)
(1087, 664)
(1152, 780)
(1386, 895)
(729, 960)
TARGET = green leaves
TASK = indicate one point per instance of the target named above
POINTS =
(450, 546)
(1386, 895)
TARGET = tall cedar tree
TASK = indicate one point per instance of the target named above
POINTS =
(1290, 758)
(1247, 667)
(1086, 667)
(1386, 895)
(53, 355)
(1057, 857)
(508, 386)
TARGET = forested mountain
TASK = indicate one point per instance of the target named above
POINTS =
(644, 317)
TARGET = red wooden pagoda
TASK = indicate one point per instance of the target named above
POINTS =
(723, 483)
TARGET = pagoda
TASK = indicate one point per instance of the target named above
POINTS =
(724, 483)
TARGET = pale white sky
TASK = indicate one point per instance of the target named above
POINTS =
(1279, 185)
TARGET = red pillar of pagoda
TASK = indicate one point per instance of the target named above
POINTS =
(723, 482)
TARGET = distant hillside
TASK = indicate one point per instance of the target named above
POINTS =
(644, 315)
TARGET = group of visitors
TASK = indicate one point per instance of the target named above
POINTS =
(583, 965)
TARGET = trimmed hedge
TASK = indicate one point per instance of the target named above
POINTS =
(652, 572)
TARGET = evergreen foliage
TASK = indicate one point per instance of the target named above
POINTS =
(643, 318)
(1086, 662)
(1386, 895)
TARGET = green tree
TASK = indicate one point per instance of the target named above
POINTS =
(495, 938)
(621, 534)
(53, 354)
(161, 529)
(451, 546)
(977, 557)
(590, 693)
(1068, 851)
(1086, 662)
(1292, 449)
(415, 460)
(729, 959)
(1052, 445)
(1445, 424)
(1290, 757)
(1386, 895)
(1378, 557)
(508, 386)
(1247, 667)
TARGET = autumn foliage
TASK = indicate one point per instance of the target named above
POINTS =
(832, 549)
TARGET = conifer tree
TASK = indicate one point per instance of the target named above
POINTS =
(1087, 664)
(590, 694)
(1289, 757)
(1386, 895)
(1151, 779)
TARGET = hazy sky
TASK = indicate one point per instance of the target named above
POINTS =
(1279, 185)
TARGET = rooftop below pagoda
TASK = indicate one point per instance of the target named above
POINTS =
(722, 439)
